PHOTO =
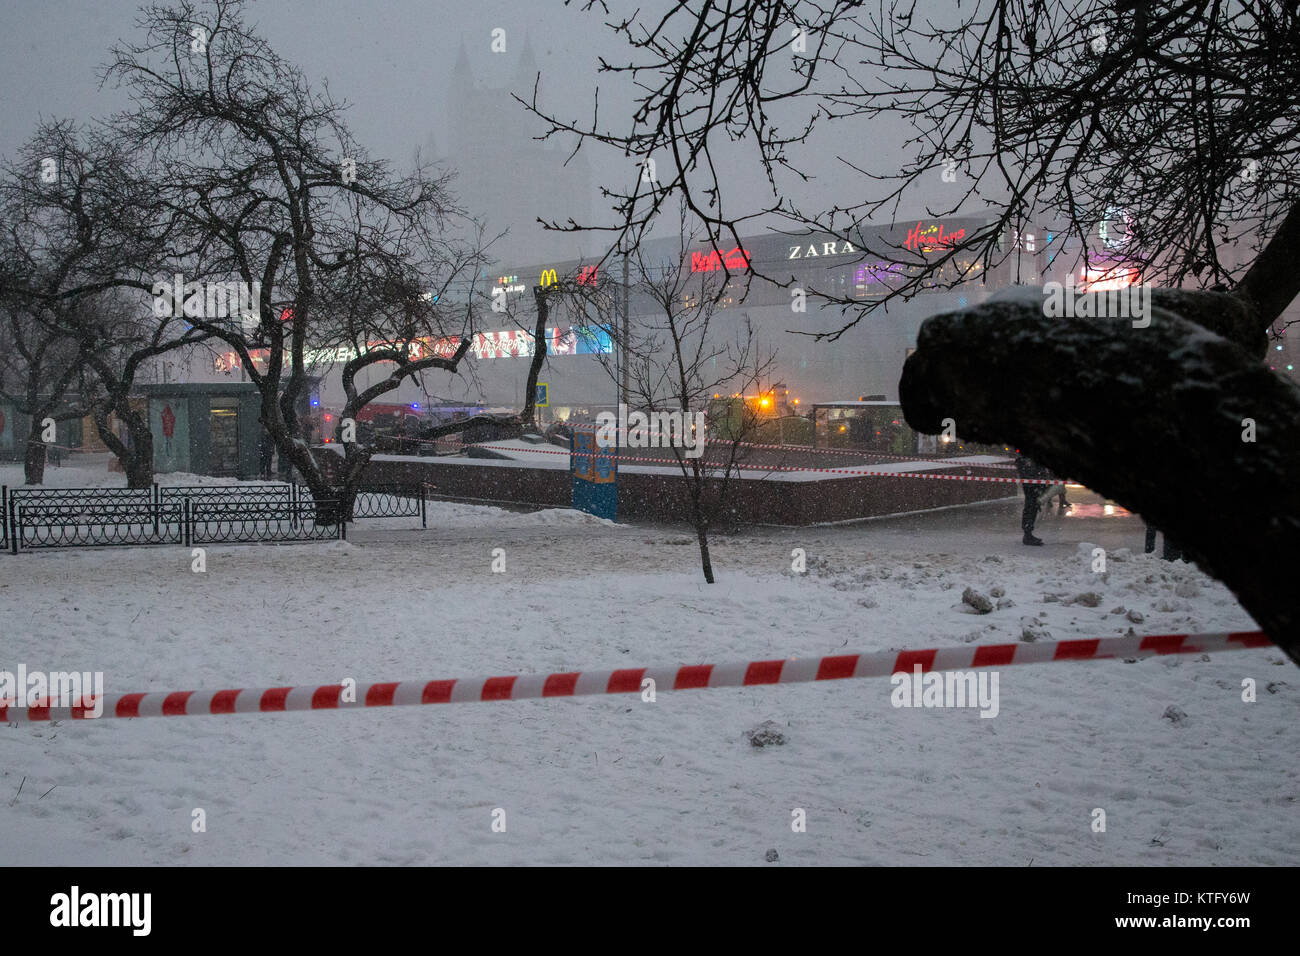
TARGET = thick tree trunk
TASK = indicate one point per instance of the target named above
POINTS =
(139, 463)
(1272, 282)
(136, 458)
(328, 509)
(34, 455)
(1151, 417)
(355, 459)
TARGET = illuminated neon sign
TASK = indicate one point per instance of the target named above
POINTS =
(922, 238)
(870, 273)
(516, 343)
(834, 248)
(1107, 280)
(736, 260)
(505, 343)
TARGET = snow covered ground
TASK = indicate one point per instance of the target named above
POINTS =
(616, 780)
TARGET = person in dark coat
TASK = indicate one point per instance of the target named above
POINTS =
(1029, 471)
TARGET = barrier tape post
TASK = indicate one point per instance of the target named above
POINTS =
(629, 680)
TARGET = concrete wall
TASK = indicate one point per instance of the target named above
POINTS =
(661, 497)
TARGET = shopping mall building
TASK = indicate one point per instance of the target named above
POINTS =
(866, 360)
(580, 371)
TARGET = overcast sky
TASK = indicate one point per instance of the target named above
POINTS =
(392, 60)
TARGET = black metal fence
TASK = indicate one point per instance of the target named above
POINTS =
(392, 501)
(188, 514)
(228, 494)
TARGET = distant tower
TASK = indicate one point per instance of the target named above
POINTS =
(460, 97)
(506, 176)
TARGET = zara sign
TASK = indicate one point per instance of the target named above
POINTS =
(828, 248)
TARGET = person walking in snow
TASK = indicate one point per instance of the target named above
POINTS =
(1029, 470)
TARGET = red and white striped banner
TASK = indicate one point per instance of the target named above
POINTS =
(622, 458)
(847, 452)
(792, 670)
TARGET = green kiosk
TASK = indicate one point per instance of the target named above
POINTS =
(205, 429)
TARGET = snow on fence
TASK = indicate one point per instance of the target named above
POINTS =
(627, 680)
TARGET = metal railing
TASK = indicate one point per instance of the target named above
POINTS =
(70, 525)
(188, 514)
(269, 520)
(224, 494)
(104, 507)
(393, 501)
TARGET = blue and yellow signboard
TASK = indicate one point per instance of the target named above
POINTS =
(595, 476)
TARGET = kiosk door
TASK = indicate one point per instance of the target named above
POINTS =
(223, 424)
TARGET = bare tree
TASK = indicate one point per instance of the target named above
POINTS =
(542, 296)
(392, 322)
(1127, 115)
(680, 364)
(1143, 119)
(43, 375)
(261, 176)
(79, 236)
(120, 337)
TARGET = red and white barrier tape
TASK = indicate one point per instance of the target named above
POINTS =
(582, 426)
(742, 466)
(853, 452)
(847, 452)
(629, 680)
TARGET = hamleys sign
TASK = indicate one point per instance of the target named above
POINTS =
(923, 238)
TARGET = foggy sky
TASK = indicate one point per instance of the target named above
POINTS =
(392, 60)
